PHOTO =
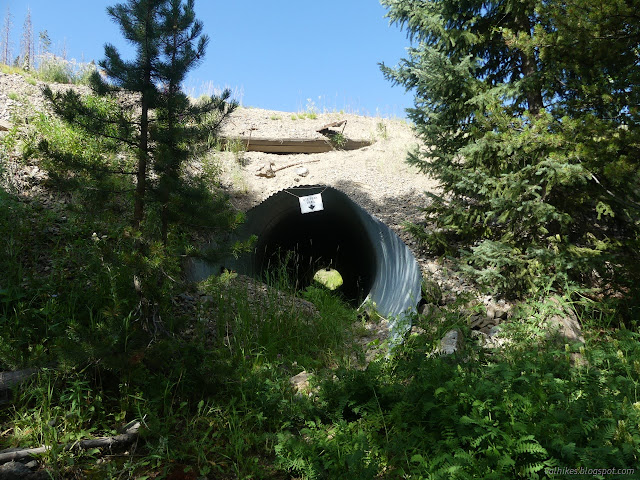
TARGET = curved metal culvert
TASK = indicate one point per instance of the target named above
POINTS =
(375, 264)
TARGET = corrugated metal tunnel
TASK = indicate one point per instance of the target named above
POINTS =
(337, 233)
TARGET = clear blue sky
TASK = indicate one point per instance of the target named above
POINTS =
(273, 54)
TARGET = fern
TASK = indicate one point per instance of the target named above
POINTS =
(531, 469)
(530, 445)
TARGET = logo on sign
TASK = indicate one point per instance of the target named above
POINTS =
(311, 203)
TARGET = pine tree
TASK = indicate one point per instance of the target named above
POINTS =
(140, 25)
(163, 32)
(26, 44)
(181, 53)
(164, 131)
(44, 47)
(529, 110)
(44, 42)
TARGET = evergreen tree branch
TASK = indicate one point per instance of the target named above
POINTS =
(628, 203)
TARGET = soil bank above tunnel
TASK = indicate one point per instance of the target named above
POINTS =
(304, 229)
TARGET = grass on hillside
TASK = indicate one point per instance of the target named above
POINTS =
(53, 69)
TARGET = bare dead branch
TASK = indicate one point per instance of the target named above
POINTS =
(117, 441)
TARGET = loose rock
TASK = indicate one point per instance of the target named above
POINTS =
(565, 323)
(19, 471)
(451, 342)
(501, 314)
(429, 310)
(431, 291)
(300, 383)
(302, 171)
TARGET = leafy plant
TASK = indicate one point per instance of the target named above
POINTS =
(508, 414)
(338, 140)
(382, 130)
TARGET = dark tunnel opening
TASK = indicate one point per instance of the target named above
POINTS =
(374, 263)
(301, 245)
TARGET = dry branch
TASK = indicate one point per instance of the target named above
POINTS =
(295, 164)
(268, 171)
(121, 440)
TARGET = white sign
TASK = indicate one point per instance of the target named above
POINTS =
(311, 203)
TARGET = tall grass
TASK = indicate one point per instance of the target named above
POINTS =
(209, 89)
(54, 69)
(275, 326)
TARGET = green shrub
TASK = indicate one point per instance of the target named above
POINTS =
(338, 140)
(54, 69)
(512, 414)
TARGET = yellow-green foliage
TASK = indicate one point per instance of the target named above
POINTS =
(329, 277)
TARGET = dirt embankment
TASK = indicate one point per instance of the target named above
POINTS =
(377, 176)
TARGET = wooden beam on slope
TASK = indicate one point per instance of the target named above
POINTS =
(296, 145)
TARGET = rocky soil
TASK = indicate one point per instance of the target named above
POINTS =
(18, 93)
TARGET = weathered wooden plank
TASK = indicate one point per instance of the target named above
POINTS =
(287, 145)
(325, 128)
(297, 145)
(356, 144)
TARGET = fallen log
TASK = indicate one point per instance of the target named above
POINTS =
(122, 440)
